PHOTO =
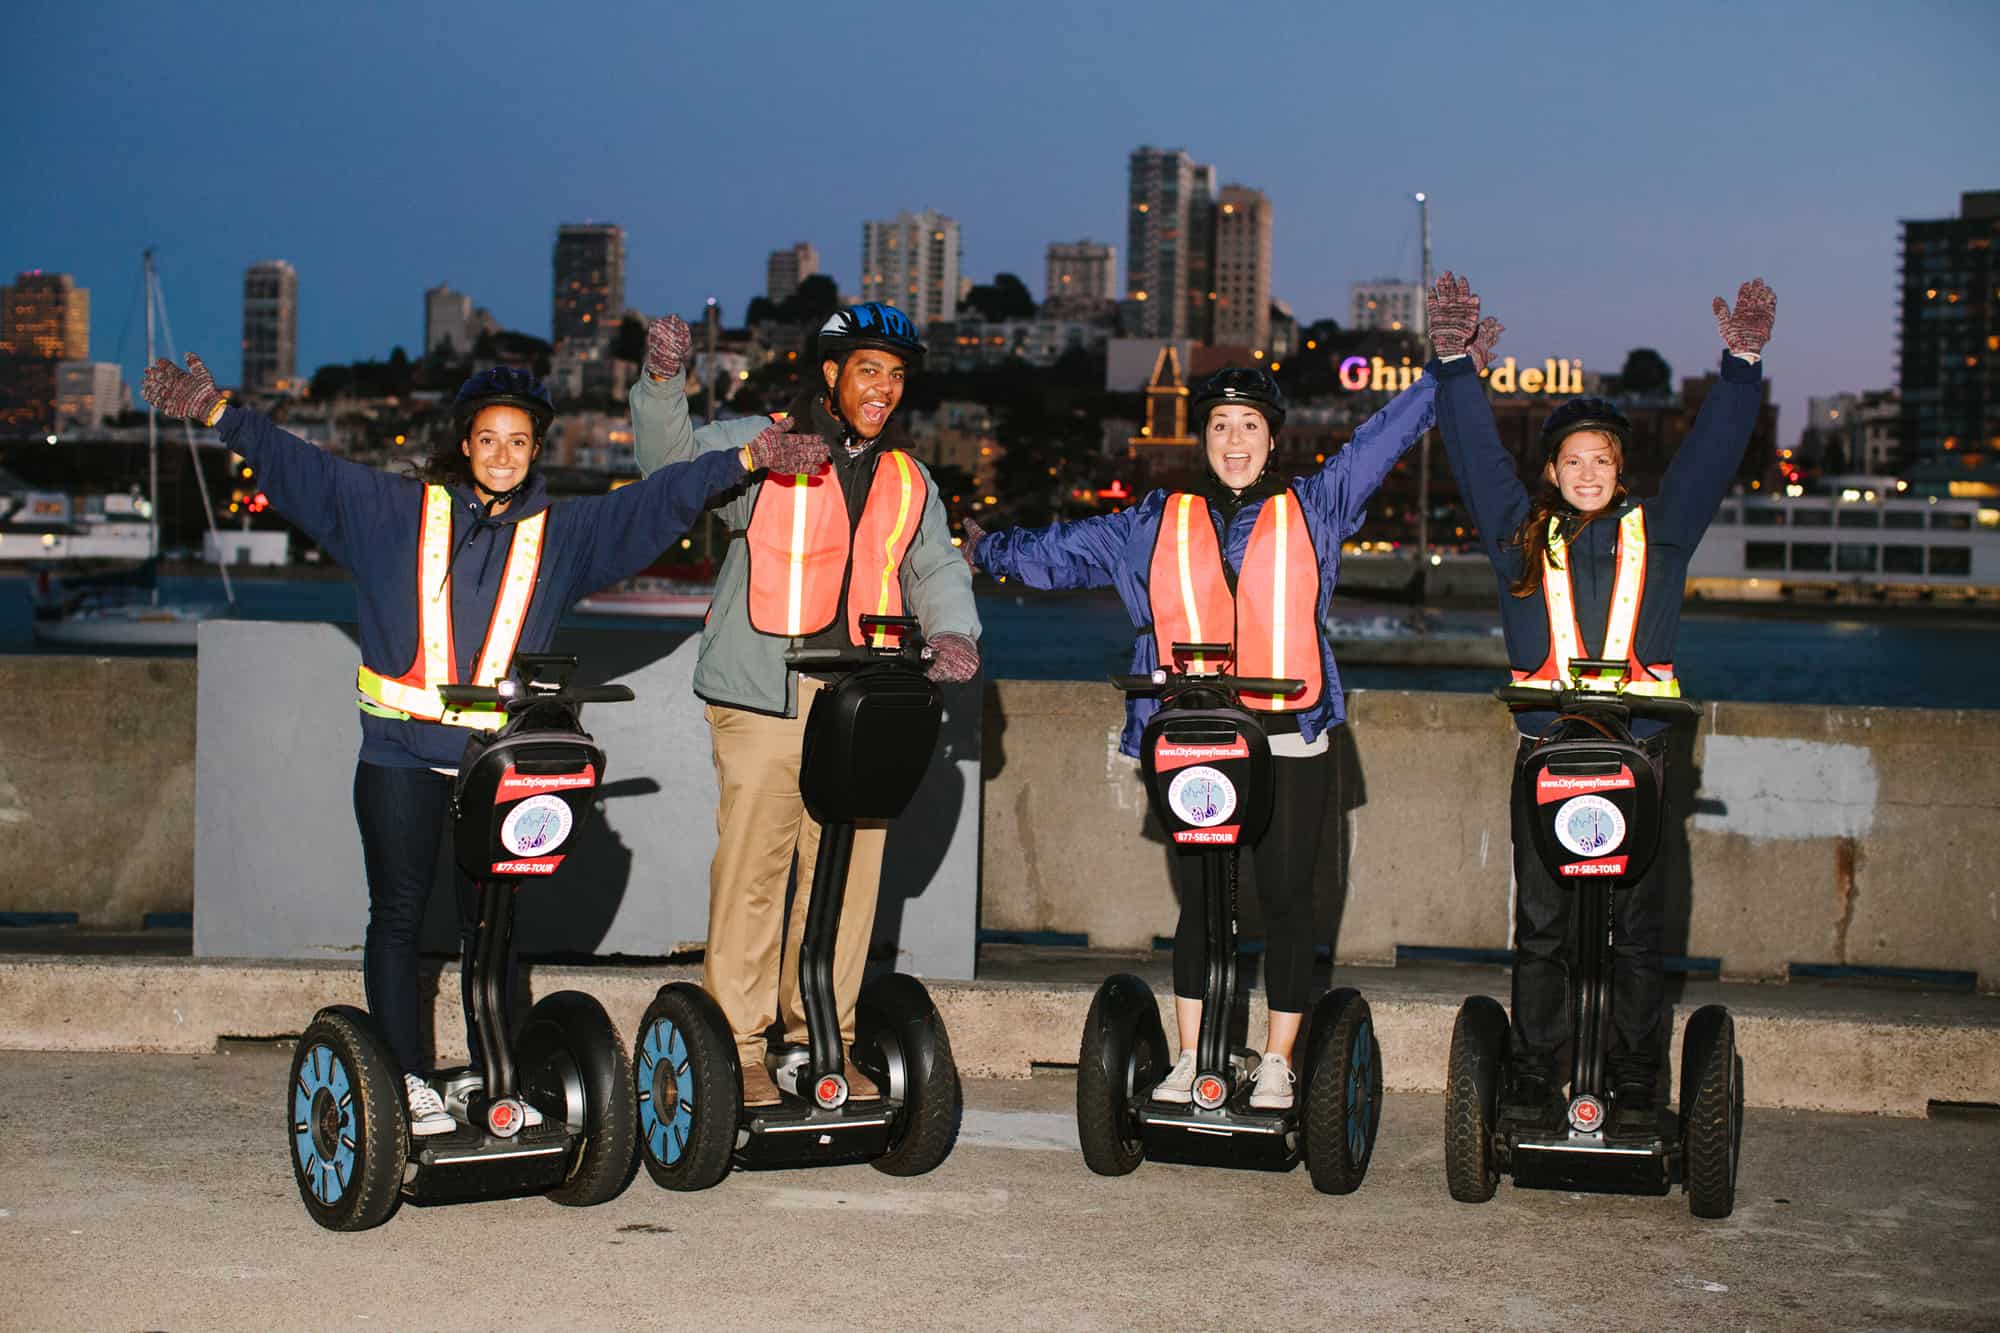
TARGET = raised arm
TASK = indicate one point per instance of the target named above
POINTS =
(1705, 465)
(662, 431)
(1080, 554)
(1340, 491)
(1462, 344)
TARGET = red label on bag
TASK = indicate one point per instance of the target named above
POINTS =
(514, 786)
(1170, 755)
(1560, 787)
(1610, 865)
(545, 865)
(1224, 834)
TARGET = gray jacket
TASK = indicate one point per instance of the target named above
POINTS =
(737, 666)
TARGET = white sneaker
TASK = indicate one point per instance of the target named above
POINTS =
(1178, 1085)
(427, 1113)
(1273, 1088)
(459, 1087)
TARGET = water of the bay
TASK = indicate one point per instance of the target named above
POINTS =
(1922, 659)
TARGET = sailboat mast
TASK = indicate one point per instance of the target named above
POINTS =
(152, 443)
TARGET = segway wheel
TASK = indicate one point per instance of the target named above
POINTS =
(1472, 1099)
(1123, 1052)
(347, 1124)
(1343, 1093)
(684, 1066)
(901, 1042)
(573, 1068)
(1711, 1111)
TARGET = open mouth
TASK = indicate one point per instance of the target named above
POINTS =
(874, 414)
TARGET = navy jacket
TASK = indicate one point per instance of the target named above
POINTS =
(370, 522)
(1691, 491)
(1117, 549)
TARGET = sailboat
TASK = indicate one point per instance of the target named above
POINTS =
(128, 612)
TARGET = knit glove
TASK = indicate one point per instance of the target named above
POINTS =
(973, 532)
(190, 394)
(954, 659)
(1746, 329)
(667, 344)
(1453, 314)
(1480, 349)
(782, 452)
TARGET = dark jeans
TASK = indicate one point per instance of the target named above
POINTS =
(1284, 857)
(402, 813)
(1544, 944)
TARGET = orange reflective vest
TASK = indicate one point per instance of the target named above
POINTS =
(1566, 639)
(802, 549)
(1272, 619)
(414, 693)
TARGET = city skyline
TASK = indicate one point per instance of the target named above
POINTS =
(1599, 176)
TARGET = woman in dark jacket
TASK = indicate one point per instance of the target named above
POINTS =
(453, 575)
(1569, 533)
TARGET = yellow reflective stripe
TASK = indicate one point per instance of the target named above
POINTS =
(889, 547)
(1188, 603)
(1281, 529)
(1626, 587)
(1563, 633)
(795, 588)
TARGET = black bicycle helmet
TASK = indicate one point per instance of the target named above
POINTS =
(871, 324)
(1599, 414)
(1250, 387)
(504, 386)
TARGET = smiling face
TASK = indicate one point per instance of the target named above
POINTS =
(866, 389)
(1238, 441)
(500, 445)
(1585, 469)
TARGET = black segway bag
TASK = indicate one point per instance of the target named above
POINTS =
(1208, 775)
(1597, 808)
(519, 796)
(868, 742)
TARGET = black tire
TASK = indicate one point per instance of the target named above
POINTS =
(348, 1127)
(1711, 1111)
(1472, 1100)
(688, 1089)
(1343, 1093)
(573, 1068)
(1123, 1052)
(901, 1042)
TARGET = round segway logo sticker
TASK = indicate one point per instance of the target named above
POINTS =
(537, 826)
(1201, 796)
(1589, 826)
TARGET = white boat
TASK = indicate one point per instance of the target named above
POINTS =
(130, 625)
(651, 595)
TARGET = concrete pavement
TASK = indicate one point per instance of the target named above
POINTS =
(153, 1191)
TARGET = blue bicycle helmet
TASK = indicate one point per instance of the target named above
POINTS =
(871, 324)
(504, 386)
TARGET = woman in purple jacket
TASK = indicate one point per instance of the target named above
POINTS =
(1237, 415)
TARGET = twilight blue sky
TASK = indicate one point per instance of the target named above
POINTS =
(1600, 170)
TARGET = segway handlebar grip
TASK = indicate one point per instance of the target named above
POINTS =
(599, 694)
(1280, 685)
(471, 694)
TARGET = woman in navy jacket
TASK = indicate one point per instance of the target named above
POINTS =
(432, 560)
(1237, 415)
(1581, 500)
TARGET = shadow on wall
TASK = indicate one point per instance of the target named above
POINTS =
(919, 841)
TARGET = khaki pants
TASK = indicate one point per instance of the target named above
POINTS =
(761, 823)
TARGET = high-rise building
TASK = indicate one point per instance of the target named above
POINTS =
(912, 262)
(1242, 269)
(447, 319)
(589, 282)
(1950, 355)
(1164, 226)
(45, 316)
(270, 328)
(1386, 303)
(787, 268)
(89, 393)
(1082, 277)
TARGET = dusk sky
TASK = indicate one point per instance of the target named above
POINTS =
(1600, 171)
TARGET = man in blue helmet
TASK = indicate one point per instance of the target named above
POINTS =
(454, 573)
(878, 543)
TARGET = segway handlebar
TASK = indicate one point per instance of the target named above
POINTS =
(909, 648)
(1603, 701)
(515, 697)
(1165, 680)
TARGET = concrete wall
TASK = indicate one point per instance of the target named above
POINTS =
(1808, 835)
(97, 787)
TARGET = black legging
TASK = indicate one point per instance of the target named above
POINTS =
(1284, 856)
(1544, 927)
(402, 814)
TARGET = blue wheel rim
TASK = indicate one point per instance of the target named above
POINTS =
(663, 1066)
(323, 1073)
(1360, 1086)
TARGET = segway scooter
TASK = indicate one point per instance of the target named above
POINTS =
(868, 741)
(514, 805)
(1599, 811)
(1207, 767)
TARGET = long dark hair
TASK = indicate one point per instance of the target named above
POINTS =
(446, 464)
(1532, 537)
